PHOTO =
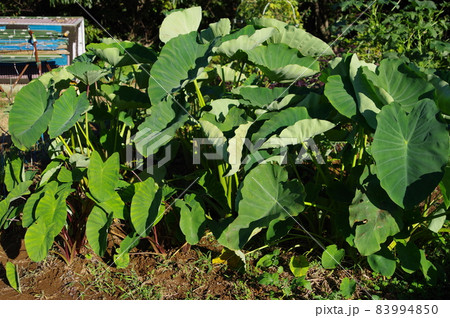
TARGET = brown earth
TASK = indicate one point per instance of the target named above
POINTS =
(184, 273)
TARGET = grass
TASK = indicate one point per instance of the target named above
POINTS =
(192, 274)
(198, 278)
(109, 284)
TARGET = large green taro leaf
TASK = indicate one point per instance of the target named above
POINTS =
(279, 120)
(17, 192)
(217, 29)
(181, 60)
(13, 172)
(122, 53)
(394, 83)
(299, 39)
(192, 219)
(38, 240)
(125, 97)
(244, 42)
(97, 227)
(367, 98)
(298, 133)
(265, 198)
(103, 176)
(67, 110)
(236, 147)
(160, 127)
(87, 72)
(260, 96)
(340, 96)
(30, 114)
(269, 22)
(51, 216)
(374, 226)
(281, 63)
(145, 207)
(180, 22)
(410, 151)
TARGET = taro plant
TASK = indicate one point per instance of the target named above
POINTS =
(212, 135)
(85, 111)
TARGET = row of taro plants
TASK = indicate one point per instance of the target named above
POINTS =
(209, 136)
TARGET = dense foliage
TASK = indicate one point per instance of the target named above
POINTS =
(209, 134)
(414, 29)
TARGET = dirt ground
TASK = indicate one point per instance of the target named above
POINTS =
(181, 274)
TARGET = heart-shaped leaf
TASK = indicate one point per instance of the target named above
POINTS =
(103, 176)
(30, 115)
(66, 111)
(376, 224)
(265, 197)
(299, 39)
(383, 262)
(332, 256)
(180, 22)
(347, 287)
(87, 72)
(409, 256)
(51, 215)
(145, 207)
(299, 265)
(281, 63)
(410, 151)
(394, 83)
(192, 219)
(12, 276)
(97, 227)
(184, 59)
(298, 133)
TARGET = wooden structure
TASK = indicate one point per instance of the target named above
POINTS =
(31, 45)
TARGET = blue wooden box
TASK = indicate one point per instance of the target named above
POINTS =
(59, 41)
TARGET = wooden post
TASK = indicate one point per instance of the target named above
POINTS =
(34, 43)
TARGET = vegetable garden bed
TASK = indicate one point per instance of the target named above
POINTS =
(210, 136)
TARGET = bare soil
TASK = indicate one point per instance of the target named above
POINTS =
(183, 273)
